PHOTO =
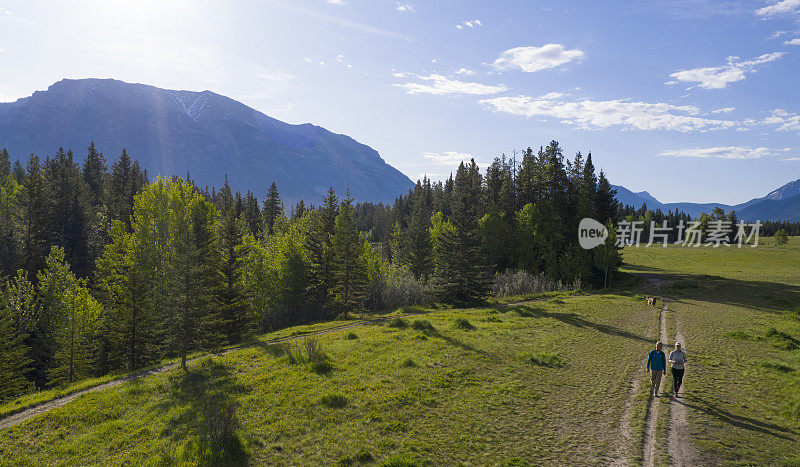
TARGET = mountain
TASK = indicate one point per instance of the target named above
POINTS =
(172, 132)
(780, 204)
(769, 209)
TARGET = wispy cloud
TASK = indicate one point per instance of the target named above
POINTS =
(781, 119)
(728, 152)
(724, 110)
(469, 24)
(779, 8)
(447, 158)
(532, 59)
(438, 84)
(719, 77)
(466, 72)
(405, 7)
(336, 2)
(345, 23)
(793, 42)
(589, 114)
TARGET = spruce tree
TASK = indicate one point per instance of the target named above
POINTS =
(230, 297)
(318, 243)
(14, 360)
(273, 208)
(461, 275)
(349, 269)
(33, 218)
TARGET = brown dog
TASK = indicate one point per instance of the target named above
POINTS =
(651, 301)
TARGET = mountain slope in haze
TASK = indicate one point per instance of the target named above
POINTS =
(780, 204)
(209, 135)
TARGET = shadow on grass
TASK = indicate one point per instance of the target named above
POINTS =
(640, 268)
(574, 320)
(204, 402)
(761, 295)
(697, 403)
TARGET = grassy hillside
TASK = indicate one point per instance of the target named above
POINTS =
(558, 380)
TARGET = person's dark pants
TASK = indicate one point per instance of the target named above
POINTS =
(677, 379)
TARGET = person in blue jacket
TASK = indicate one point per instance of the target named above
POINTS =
(657, 367)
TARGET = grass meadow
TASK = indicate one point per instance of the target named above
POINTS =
(548, 381)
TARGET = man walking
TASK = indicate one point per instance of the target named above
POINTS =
(677, 358)
(657, 367)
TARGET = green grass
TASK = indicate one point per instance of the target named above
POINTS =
(427, 393)
(736, 311)
(543, 382)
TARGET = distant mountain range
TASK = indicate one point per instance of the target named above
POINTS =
(780, 204)
(172, 132)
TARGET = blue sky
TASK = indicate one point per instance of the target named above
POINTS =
(692, 100)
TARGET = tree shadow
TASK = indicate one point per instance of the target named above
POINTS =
(640, 268)
(206, 403)
(738, 421)
(760, 295)
(574, 319)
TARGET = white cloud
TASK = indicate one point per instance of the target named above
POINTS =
(438, 84)
(729, 152)
(276, 76)
(783, 120)
(794, 159)
(782, 7)
(469, 24)
(531, 59)
(589, 114)
(466, 71)
(405, 7)
(447, 157)
(719, 77)
(778, 34)
(793, 42)
(724, 110)
(339, 58)
(308, 60)
(336, 2)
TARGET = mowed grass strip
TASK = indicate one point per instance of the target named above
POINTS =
(546, 382)
(737, 310)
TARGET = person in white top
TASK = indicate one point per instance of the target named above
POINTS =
(677, 358)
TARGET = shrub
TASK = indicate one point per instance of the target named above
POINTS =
(493, 319)
(463, 323)
(399, 289)
(334, 400)
(409, 363)
(545, 360)
(397, 323)
(321, 367)
(351, 336)
(510, 283)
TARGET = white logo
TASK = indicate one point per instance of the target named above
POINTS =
(591, 233)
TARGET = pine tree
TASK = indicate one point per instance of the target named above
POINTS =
(94, 175)
(419, 248)
(33, 218)
(349, 269)
(68, 210)
(14, 361)
(9, 207)
(461, 275)
(606, 200)
(273, 208)
(231, 299)
(252, 214)
(320, 230)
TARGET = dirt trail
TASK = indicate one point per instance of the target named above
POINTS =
(651, 419)
(679, 445)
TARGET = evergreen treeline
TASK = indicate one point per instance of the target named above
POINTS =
(104, 271)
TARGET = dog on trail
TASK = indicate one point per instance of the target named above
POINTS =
(651, 301)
